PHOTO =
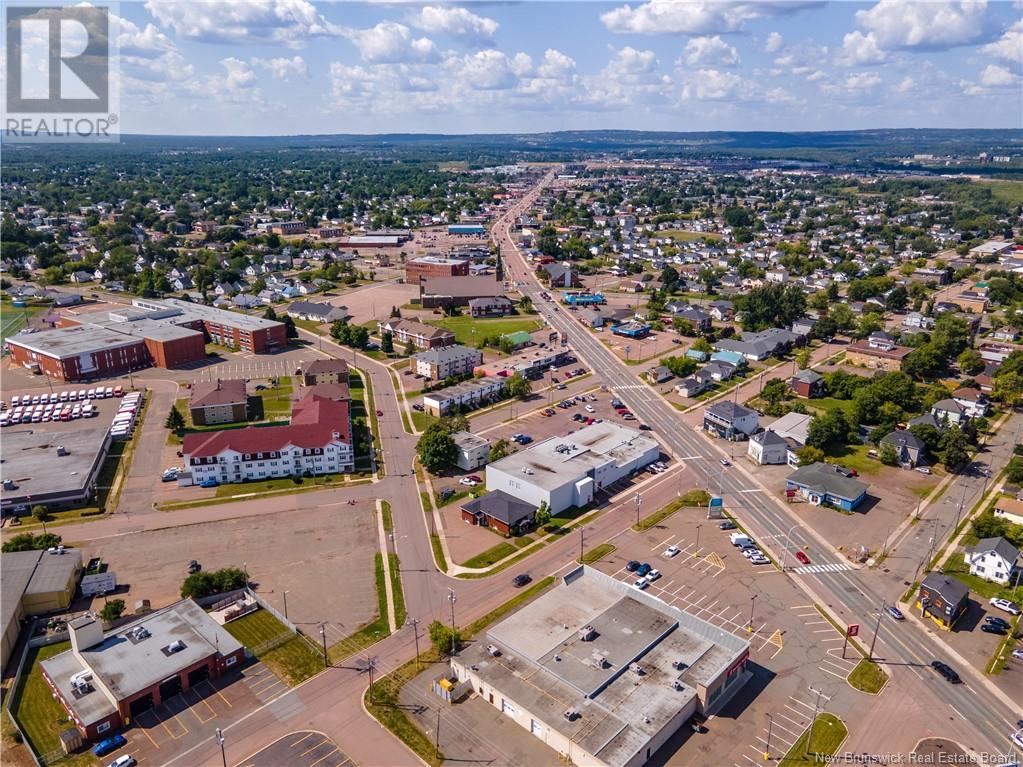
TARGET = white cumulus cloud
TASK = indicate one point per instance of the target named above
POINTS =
(283, 68)
(389, 42)
(1009, 46)
(715, 85)
(286, 22)
(774, 42)
(862, 81)
(455, 21)
(694, 17)
(710, 51)
(934, 25)
(995, 76)
(859, 49)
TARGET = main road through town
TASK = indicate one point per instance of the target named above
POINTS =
(855, 596)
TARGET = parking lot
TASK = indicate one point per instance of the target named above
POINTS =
(189, 718)
(323, 546)
(57, 400)
(300, 749)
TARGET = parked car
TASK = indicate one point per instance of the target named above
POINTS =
(923, 469)
(521, 580)
(759, 559)
(124, 760)
(801, 556)
(209, 483)
(896, 613)
(641, 583)
(727, 525)
(468, 481)
(653, 575)
(104, 747)
(632, 565)
(643, 569)
(994, 628)
(997, 621)
(946, 671)
(1004, 604)
(380, 412)
(752, 552)
(194, 567)
(671, 551)
(1018, 655)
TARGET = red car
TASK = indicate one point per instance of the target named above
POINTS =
(380, 412)
(802, 557)
(474, 478)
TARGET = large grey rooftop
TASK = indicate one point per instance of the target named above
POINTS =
(127, 666)
(548, 669)
(62, 343)
(555, 461)
(31, 460)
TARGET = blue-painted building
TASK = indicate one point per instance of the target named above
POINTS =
(583, 299)
(732, 358)
(821, 483)
(696, 354)
(631, 329)
(478, 229)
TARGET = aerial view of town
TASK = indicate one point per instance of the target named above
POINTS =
(512, 385)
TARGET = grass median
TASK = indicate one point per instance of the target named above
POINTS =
(694, 498)
(596, 553)
(868, 677)
(829, 732)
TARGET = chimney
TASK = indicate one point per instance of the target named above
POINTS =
(85, 631)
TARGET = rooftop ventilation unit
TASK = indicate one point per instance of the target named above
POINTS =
(678, 685)
(598, 661)
(679, 665)
(176, 646)
(571, 715)
(61, 450)
(492, 649)
(636, 669)
(587, 633)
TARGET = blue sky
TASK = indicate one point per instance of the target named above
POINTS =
(269, 67)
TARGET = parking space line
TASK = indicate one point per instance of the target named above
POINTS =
(336, 749)
(149, 736)
(789, 719)
(203, 701)
(313, 748)
(304, 737)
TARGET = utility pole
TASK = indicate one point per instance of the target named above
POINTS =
(414, 623)
(452, 598)
(582, 550)
(323, 640)
(697, 550)
(220, 739)
(436, 735)
(371, 664)
(753, 603)
(816, 710)
(767, 748)
(638, 500)
(877, 628)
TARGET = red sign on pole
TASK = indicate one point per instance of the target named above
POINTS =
(853, 630)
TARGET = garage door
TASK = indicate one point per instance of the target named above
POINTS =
(195, 676)
(507, 708)
(536, 728)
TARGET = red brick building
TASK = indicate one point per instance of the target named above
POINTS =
(419, 269)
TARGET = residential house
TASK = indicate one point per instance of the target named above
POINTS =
(719, 370)
(730, 420)
(993, 559)
(659, 375)
(821, 483)
(326, 371)
(691, 386)
(81, 276)
(1010, 509)
(421, 336)
(501, 512)
(879, 352)
(768, 447)
(722, 311)
(494, 306)
(316, 312)
(807, 383)
(909, 448)
(220, 401)
(948, 412)
(561, 276)
(759, 346)
(699, 319)
(943, 599)
(467, 395)
(974, 403)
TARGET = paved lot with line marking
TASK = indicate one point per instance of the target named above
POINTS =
(300, 749)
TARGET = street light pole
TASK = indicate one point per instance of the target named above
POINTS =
(452, 598)
(767, 748)
(220, 739)
(753, 603)
(816, 710)
(414, 623)
(697, 550)
(877, 628)
(323, 640)
(286, 604)
(638, 500)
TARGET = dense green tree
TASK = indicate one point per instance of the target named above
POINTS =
(896, 299)
(31, 542)
(498, 450)
(970, 362)
(829, 429)
(444, 640)
(519, 386)
(887, 454)
(808, 454)
(387, 342)
(112, 610)
(680, 366)
(436, 448)
(175, 421)
(207, 582)
(771, 305)
(955, 447)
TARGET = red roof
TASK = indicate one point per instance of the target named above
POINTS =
(314, 421)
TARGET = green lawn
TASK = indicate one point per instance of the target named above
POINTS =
(691, 498)
(829, 732)
(462, 327)
(596, 553)
(680, 235)
(1006, 191)
(491, 555)
(294, 661)
(421, 420)
(854, 457)
(12, 320)
(277, 399)
(868, 677)
(827, 404)
(283, 483)
(980, 587)
(40, 717)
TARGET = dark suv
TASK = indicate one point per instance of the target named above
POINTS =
(632, 565)
(520, 580)
(946, 671)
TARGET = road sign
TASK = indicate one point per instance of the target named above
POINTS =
(716, 508)
(716, 501)
(853, 630)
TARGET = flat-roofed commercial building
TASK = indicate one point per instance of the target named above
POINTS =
(78, 353)
(419, 269)
(567, 471)
(467, 395)
(447, 292)
(105, 681)
(531, 364)
(55, 470)
(35, 583)
(601, 672)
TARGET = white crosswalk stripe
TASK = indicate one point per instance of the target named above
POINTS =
(830, 567)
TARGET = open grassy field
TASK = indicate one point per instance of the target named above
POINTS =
(1007, 191)
(12, 320)
(491, 555)
(463, 327)
(294, 661)
(35, 710)
(681, 235)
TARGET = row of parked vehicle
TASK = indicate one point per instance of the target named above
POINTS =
(68, 405)
(124, 420)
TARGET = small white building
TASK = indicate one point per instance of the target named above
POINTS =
(1009, 509)
(473, 450)
(767, 447)
(993, 559)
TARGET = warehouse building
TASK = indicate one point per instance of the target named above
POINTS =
(105, 681)
(55, 470)
(35, 583)
(568, 471)
(601, 672)
(78, 353)
(447, 292)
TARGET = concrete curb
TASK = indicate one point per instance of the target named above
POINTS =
(385, 558)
